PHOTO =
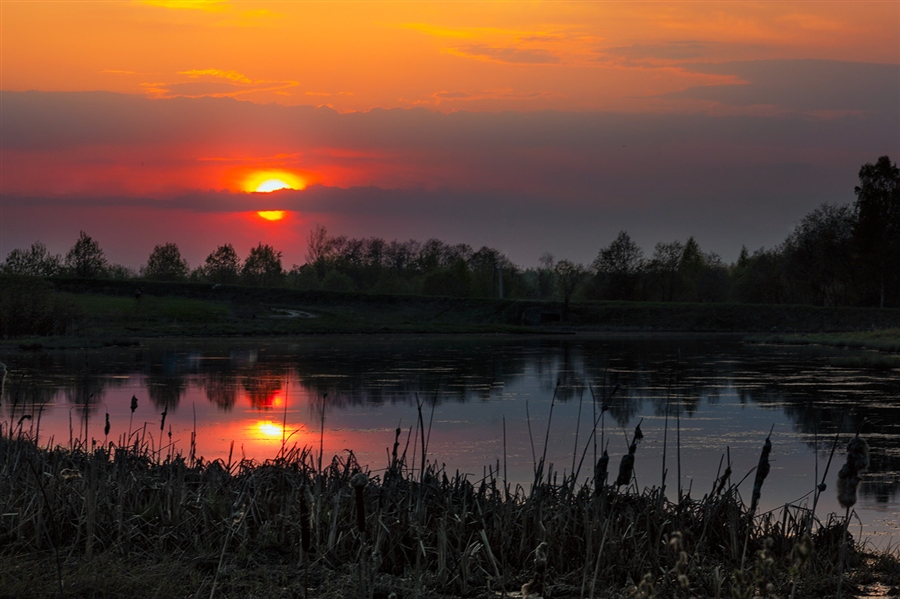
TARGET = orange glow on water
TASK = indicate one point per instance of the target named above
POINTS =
(269, 430)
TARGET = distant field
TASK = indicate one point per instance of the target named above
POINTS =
(110, 309)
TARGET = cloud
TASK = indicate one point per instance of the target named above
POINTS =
(646, 54)
(803, 85)
(505, 54)
(214, 82)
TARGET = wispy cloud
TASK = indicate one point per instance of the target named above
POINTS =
(216, 83)
(509, 55)
(205, 5)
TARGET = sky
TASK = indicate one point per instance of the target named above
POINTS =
(529, 127)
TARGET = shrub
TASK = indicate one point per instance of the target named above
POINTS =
(30, 306)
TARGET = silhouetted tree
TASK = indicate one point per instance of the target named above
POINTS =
(36, 261)
(702, 277)
(818, 256)
(546, 277)
(318, 245)
(569, 277)
(877, 230)
(486, 265)
(618, 268)
(223, 265)
(758, 278)
(263, 267)
(85, 258)
(662, 270)
(166, 264)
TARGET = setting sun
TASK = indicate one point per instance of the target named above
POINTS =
(272, 185)
(272, 180)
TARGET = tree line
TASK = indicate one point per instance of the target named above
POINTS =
(836, 255)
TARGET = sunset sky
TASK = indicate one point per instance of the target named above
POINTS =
(531, 127)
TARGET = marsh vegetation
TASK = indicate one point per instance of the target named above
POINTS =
(129, 518)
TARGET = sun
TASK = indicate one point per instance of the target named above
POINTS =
(272, 185)
(267, 181)
(270, 181)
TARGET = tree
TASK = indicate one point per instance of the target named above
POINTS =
(618, 267)
(663, 269)
(546, 275)
(166, 264)
(318, 245)
(877, 231)
(758, 278)
(702, 277)
(223, 265)
(817, 256)
(36, 261)
(263, 267)
(85, 258)
(568, 277)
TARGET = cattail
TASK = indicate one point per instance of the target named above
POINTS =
(626, 466)
(106, 428)
(601, 472)
(358, 483)
(850, 474)
(762, 471)
(162, 424)
(535, 586)
(848, 481)
(133, 403)
(858, 453)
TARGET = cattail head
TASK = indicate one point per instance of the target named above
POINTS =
(762, 471)
(626, 466)
(850, 473)
(858, 453)
(847, 483)
(133, 403)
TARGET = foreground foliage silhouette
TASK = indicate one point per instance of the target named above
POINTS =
(136, 519)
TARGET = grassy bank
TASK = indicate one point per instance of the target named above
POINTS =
(130, 519)
(113, 312)
(884, 340)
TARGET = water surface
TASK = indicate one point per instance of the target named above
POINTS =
(487, 405)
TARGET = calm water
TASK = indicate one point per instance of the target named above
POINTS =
(480, 395)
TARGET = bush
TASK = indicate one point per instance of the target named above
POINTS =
(335, 280)
(30, 306)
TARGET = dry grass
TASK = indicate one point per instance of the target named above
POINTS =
(126, 521)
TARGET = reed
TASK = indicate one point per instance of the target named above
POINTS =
(290, 527)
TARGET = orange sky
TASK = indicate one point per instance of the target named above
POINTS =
(507, 124)
(443, 55)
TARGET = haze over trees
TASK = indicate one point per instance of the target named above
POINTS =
(836, 255)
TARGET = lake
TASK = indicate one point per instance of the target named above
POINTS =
(488, 404)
